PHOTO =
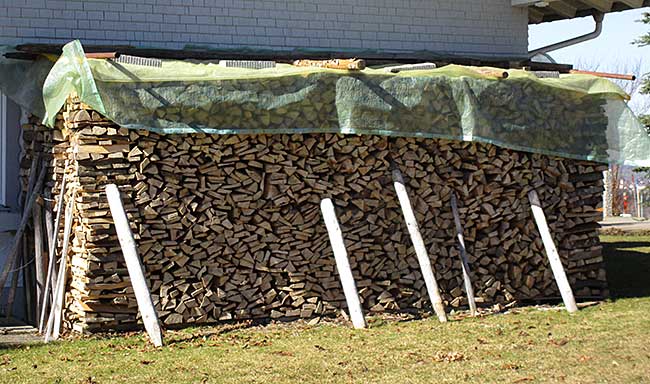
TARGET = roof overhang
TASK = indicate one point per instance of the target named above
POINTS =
(552, 10)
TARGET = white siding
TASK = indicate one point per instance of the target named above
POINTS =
(462, 27)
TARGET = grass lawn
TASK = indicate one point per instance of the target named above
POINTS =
(604, 343)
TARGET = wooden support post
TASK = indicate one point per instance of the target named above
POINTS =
(39, 262)
(49, 334)
(11, 296)
(29, 282)
(463, 256)
(56, 313)
(52, 235)
(134, 266)
(551, 253)
(418, 244)
(13, 251)
(343, 264)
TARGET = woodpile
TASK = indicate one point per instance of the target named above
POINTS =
(229, 226)
(526, 113)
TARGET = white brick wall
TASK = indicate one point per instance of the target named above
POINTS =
(464, 27)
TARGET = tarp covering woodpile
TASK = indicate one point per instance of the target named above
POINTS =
(575, 116)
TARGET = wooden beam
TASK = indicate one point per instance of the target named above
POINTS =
(134, 265)
(343, 264)
(632, 3)
(563, 8)
(420, 249)
(535, 16)
(551, 253)
(601, 5)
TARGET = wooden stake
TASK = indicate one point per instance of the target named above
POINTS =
(54, 321)
(39, 262)
(52, 235)
(420, 249)
(343, 264)
(347, 64)
(29, 282)
(463, 257)
(552, 254)
(134, 265)
(11, 296)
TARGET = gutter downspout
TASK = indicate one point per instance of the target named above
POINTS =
(598, 18)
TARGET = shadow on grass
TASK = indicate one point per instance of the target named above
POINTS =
(628, 268)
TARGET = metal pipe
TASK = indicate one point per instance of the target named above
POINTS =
(598, 18)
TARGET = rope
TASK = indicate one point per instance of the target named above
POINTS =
(23, 266)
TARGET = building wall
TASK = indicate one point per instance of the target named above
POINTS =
(9, 209)
(463, 27)
(9, 216)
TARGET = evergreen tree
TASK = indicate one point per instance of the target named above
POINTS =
(644, 41)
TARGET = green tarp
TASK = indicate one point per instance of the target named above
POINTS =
(575, 116)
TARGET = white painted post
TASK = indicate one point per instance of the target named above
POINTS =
(54, 321)
(52, 235)
(134, 266)
(58, 291)
(552, 254)
(343, 264)
(420, 249)
(463, 256)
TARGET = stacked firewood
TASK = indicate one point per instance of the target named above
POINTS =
(229, 226)
(526, 113)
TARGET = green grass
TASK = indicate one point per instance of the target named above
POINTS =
(604, 343)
